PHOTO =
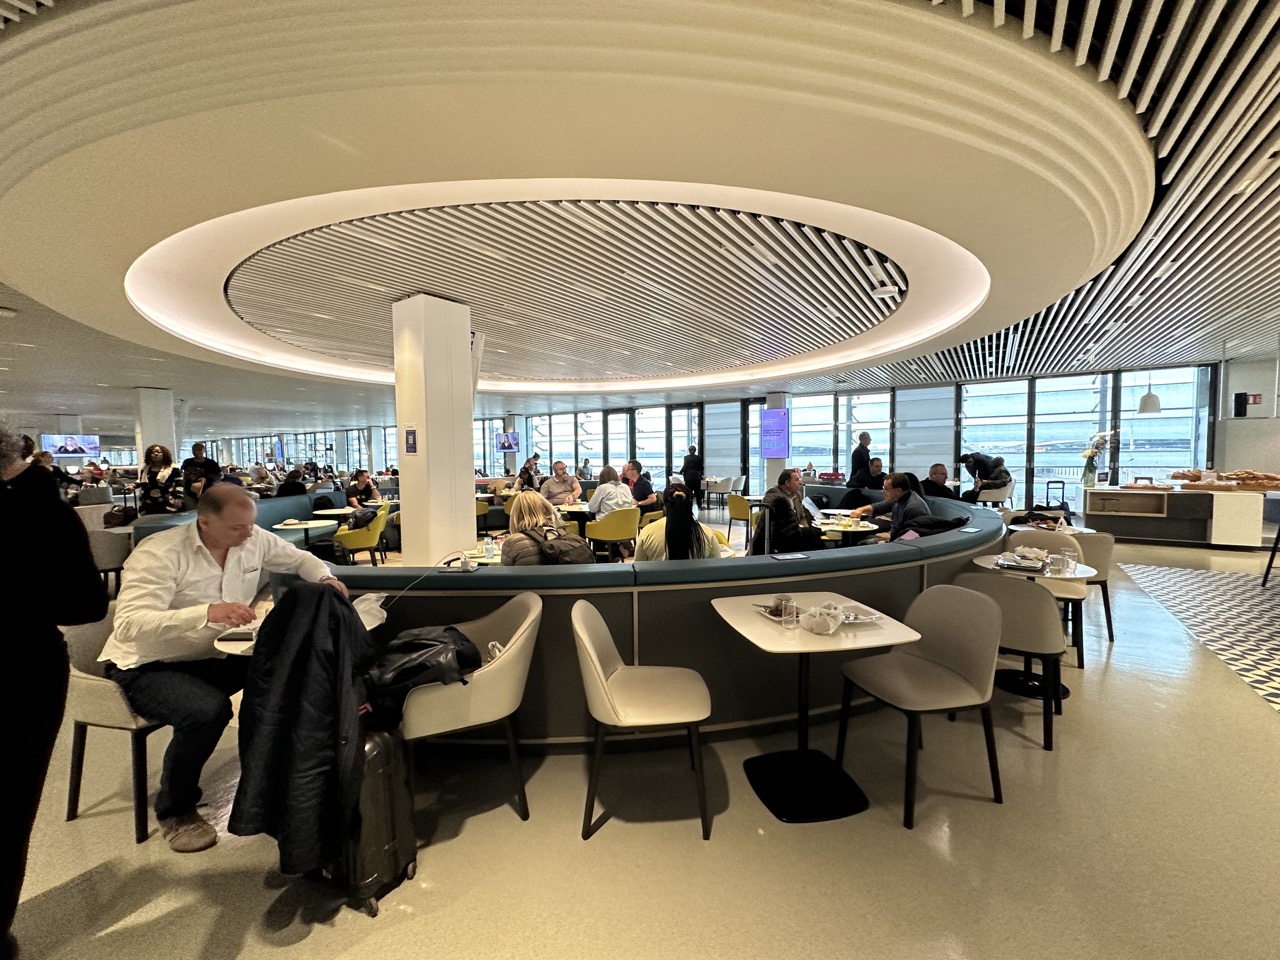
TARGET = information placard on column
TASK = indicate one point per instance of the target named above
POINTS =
(411, 441)
(775, 434)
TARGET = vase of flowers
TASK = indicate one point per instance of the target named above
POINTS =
(1089, 477)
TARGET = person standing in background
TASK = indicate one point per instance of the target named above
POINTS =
(692, 471)
(861, 459)
(198, 471)
(53, 580)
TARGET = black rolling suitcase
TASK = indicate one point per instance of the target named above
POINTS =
(382, 849)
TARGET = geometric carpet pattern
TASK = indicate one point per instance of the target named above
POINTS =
(1229, 613)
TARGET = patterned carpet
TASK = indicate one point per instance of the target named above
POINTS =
(1227, 612)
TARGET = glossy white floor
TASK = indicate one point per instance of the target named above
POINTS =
(1151, 831)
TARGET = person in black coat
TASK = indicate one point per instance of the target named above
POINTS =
(935, 485)
(38, 476)
(53, 580)
(692, 471)
(778, 513)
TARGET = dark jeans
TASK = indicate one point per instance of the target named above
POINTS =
(193, 697)
(32, 721)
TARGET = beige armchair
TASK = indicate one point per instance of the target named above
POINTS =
(95, 701)
(493, 692)
(1069, 593)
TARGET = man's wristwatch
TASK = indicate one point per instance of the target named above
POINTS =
(327, 577)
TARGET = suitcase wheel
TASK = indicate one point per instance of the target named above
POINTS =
(371, 906)
(411, 870)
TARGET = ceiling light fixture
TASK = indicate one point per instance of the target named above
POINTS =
(1148, 402)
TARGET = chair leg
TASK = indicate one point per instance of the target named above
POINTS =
(988, 730)
(593, 781)
(846, 698)
(522, 802)
(140, 828)
(695, 747)
(913, 760)
(79, 732)
(1077, 631)
(1106, 609)
(1050, 699)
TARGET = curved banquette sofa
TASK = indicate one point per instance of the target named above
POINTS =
(660, 613)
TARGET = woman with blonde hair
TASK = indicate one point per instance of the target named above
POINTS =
(529, 511)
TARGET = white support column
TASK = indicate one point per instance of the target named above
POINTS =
(153, 420)
(774, 466)
(434, 402)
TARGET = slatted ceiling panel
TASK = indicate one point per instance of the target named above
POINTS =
(11, 11)
(678, 287)
(1168, 44)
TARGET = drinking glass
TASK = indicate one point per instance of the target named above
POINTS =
(1057, 564)
(1071, 557)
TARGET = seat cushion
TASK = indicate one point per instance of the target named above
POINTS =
(1066, 589)
(653, 696)
(908, 682)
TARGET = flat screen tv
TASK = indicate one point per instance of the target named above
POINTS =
(71, 444)
(506, 442)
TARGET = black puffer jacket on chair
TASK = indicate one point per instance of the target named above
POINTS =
(301, 744)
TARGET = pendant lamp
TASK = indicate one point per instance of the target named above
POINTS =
(1148, 402)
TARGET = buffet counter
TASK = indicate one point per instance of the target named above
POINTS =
(1202, 517)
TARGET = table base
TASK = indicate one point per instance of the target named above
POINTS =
(804, 786)
(1023, 684)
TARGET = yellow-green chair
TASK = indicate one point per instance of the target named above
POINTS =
(650, 517)
(739, 509)
(620, 526)
(366, 538)
(482, 516)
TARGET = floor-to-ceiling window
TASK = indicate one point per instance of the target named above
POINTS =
(590, 441)
(651, 443)
(813, 431)
(619, 426)
(722, 435)
(855, 413)
(1175, 438)
(1070, 413)
(924, 429)
(539, 430)
(686, 430)
(563, 442)
(993, 420)
(757, 480)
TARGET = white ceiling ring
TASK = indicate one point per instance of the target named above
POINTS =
(179, 283)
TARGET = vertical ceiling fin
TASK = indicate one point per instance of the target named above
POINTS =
(1113, 39)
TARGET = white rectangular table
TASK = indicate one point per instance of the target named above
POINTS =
(803, 785)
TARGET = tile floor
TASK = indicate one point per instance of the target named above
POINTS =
(1150, 832)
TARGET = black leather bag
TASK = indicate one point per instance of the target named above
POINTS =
(413, 658)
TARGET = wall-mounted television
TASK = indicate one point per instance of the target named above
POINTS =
(506, 442)
(71, 444)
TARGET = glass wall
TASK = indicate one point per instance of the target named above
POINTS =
(651, 443)
(993, 419)
(538, 440)
(924, 429)
(722, 438)
(590, 441)
(686, 431)
(1070, 413)
(813, 431)
(1176, 438)
(757, 481)
(390, 445)
(619, 439)
(856, 412)
(563, 442)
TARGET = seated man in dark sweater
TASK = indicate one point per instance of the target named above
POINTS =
(871, 478)
(935, 485)
(899, 502)
(778, 516)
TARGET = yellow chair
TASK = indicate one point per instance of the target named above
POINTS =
(645, 518)
(620, 526)
(721, 538)
(482, 516)
(739, 509)
(366, 538)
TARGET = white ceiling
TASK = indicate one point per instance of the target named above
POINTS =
(1198, 81)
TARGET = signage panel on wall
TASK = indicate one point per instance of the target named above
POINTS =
(411, 441)
(775, 434)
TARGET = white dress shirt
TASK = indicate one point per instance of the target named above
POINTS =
(608, 497)
(171, 578)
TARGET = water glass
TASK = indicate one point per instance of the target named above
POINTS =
(1057, 564)
(1071, 556)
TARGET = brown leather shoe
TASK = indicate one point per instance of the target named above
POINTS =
(188, 833)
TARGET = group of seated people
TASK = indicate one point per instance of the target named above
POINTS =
(988, 473)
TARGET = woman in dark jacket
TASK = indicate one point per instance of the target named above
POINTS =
(529, 511)
(53, 580)
(158, 481)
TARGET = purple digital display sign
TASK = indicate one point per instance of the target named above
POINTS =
(775, 434)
